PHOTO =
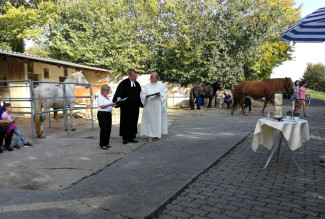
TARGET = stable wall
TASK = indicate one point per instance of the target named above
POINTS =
(12, 68)
(56, 72)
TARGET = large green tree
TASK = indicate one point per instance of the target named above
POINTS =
(184, 41)
(315, 76)
(110, 34)
(228, 39)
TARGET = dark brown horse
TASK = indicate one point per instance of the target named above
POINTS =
(266, 88)
(204, 92)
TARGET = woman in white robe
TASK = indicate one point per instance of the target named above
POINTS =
(154, 116)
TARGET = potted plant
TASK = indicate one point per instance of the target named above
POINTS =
(289, 114)
(296, 115)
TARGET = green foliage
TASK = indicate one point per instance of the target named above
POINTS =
(110, 34)
(316, 94)
(184, 41)
(23, 22)
(315, 76)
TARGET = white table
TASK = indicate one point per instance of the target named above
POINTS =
(293, 133)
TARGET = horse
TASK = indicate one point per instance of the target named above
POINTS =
(82, 91)
(265, 88)
(43, 91)
(205, 92)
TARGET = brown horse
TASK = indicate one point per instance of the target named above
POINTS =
(80, 91)
(266, 88)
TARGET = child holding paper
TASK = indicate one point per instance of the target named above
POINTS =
(6, 115)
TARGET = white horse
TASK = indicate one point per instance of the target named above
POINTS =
(57, 99)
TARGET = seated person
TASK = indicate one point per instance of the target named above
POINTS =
(6, 115)
(1, 110)
(227, 98)
(4, 125)
(3, 131)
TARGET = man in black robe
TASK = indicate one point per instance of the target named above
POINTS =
(129, 109)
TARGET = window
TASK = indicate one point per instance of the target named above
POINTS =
(46, 73)
(30, 67)
(65, 72)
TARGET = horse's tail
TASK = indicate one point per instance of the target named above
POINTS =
(37, 117)
(192, 98)
(235, 99)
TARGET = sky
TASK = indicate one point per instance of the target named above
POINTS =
(304, 52)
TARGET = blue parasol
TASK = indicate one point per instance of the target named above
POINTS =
(310, 29)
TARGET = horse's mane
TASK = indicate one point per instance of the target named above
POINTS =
(70, 77)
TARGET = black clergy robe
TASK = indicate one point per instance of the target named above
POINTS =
(129, 109)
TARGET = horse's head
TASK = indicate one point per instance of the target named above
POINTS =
(217, 85)
(288, 85)
(80, 78)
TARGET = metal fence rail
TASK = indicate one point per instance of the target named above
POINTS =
(32, 100)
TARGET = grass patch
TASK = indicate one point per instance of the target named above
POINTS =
(316, 94)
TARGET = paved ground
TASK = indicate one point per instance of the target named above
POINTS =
(72, 177)
(237, 186)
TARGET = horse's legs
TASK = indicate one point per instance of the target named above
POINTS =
(88, 114)
(210, 101)
(242, 100)
(88, 111)
(192, 105)
(197, 103)
(71, 116)
(40, 118)
(72, 128)
(234, 105)
(192, 99)
(56, 115)
(65, 121)
(265, 103)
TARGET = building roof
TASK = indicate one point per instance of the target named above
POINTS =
(49, 60)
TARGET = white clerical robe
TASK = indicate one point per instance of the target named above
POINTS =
(154, 116)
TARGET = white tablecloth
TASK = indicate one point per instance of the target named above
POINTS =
(295, 132)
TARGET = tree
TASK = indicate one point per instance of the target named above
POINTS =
(23, 22)
(184, 41)
(314, 75)
(104, 33)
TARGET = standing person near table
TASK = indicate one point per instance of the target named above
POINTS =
(154, 116)
(129, 108)
(302, 96)
(104, 116)
(295, 95)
